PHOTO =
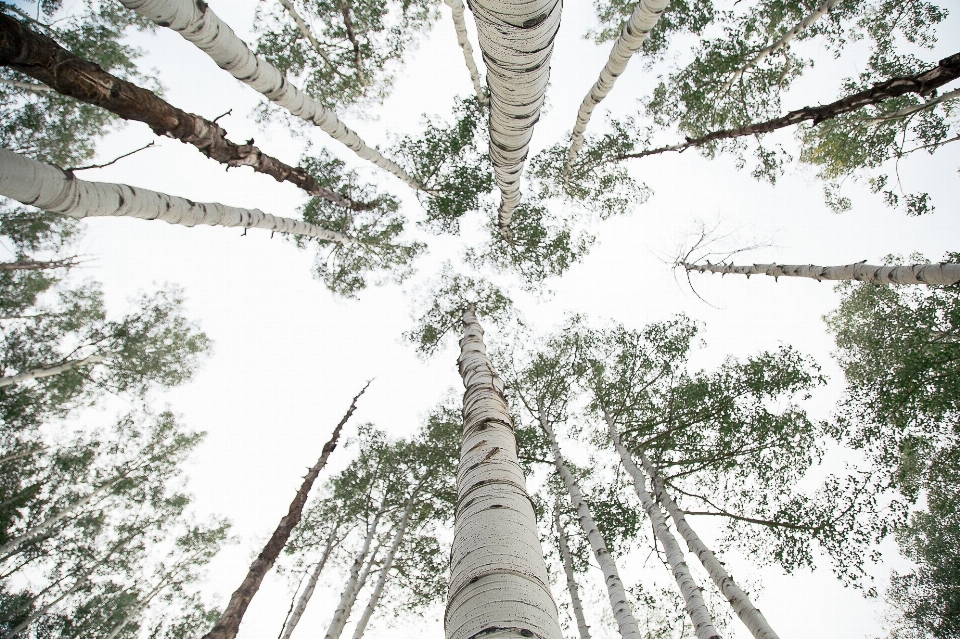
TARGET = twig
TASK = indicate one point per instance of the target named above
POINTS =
(223, 115)
(113, 161)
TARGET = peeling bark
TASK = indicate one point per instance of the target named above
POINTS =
(498, 578)
(229, 622)
(751, 617)
(572, 587)
(922, 84)
(52, 189)
(696, 608)
(943, 274)
(198, 24)
(38, 56)
(308, 590)
(516, 39)
(50, 371)
(463, 40)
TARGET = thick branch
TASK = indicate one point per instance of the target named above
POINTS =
(943, 274)
(50, 371)
(35, 265)
(457, 8)
(306, 33)
(352, 36)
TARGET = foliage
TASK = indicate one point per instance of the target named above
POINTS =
(680, 16)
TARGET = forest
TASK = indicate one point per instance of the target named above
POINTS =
(613, 320)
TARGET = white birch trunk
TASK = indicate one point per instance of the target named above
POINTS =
(27, 86)
(943, 274)
(696, 608)
(50, 371)
(572, 587)
(139, 608)
(463, 40)
(387, 563)
(51, 189)
(634, 33)
(815, 15)
(23, 625)
(751, 617)
(306, 33)
(308, 590)
(904, 112)
(349, 594)
(622, 612)
(516, 39)
(198, 24)
(498, 578)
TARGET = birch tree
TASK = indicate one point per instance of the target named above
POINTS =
(942, 274)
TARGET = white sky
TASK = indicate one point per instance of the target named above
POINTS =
(289, 356)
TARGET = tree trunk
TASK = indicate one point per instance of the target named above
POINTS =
(498, 578)
(23, 625)
(34, 265)
(611, 577)
(198, 24)
(463, 40)
(922, 84)
(51, 189)
(229, 622)
(388, 562)
(632, 36)
(307, 593)
(572, 588)
(752, 618)
(38, 56)
(349, 594)
(943, 274)
(516, 39)
(117, 629)
(50, 371)
(696, 609)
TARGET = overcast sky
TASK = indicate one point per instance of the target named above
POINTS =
(289, 356)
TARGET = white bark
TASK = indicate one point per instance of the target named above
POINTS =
(942, 274)
(117, 629)
(632, 36)
(51, 189)
(751, 617)
(464, 41)
(309, 589)
(23, 625)
(622, 612)
(27, 86)
(306, 33)
(516, 39)
(349, 594)
(387, 563)
(572, 587)
(50, 371)
(910, 110)
(815, 15)
(696, 608)
(198, 24)
(498, 578)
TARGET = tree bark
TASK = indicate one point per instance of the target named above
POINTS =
(306, 33)
(617, 594)
(311, 586)
(50, 371)
(35, 265)
(463, 40)
(516, 39)
(38, 56)
(751, 617)
(52, 189)
(228, 624)
(388, 562)
(696, 608)
(198, 24)
(942, 274)
(498, 578)
(922, 84)
(572, 587)
(632, 36)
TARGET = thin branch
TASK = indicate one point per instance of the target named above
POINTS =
(910, 110)
(113, 161)
(27, 86)
(306, 33)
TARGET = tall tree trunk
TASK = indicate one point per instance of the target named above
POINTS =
(38, 56)
(198, 24)
(572, 588)
(34, 265)
(50, 371)
(308, 590)
(611, 576)
(139, 608)
(751, 617)
(696, 608)
(632, 36)
(922, 84)
(463, 40)
(23, 625)
(388, 562)
(229, 622)
(943, 274)
(498, 578)
(349, 594)
(306, 33)
(51, 189)
(516, 39)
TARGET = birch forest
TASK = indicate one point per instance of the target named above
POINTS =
(479, 319)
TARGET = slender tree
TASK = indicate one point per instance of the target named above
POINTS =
(575, 602)
(942, 274)
(457, 13)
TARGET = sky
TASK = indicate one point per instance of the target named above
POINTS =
(288, 355)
